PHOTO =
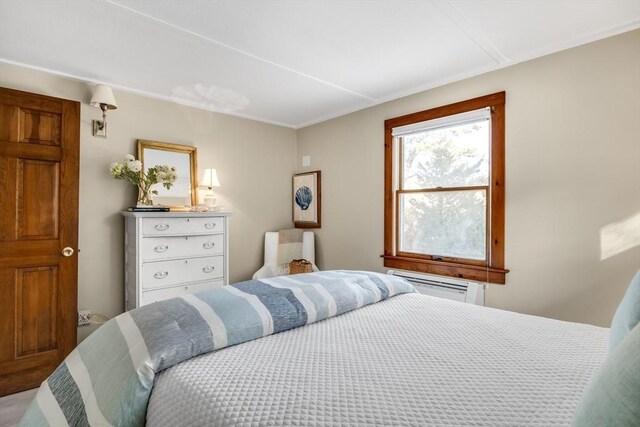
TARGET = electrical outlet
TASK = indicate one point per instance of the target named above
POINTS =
(84, 317)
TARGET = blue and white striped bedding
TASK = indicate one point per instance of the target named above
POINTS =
(108, 378)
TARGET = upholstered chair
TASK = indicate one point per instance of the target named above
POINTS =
(270, 267)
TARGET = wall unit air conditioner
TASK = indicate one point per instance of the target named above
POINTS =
(444, 287)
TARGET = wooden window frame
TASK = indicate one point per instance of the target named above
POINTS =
(492, 270)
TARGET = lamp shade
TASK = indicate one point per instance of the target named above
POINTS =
(103, 95)
(210, 178)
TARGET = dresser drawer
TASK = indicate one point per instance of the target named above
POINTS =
(161, 294)
(167, 273)
(156, 248)
(164, 226)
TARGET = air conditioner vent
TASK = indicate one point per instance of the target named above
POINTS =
(444, 287)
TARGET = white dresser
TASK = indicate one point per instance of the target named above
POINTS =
(169, 254)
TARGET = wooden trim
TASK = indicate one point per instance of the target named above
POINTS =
(30, 100)
(187, 149)
(437, 189)
(30, 151)
(69, 194)
(396, 226)
(497, 192)
(476, 262)
(388, 192)
(451, 269)
(494, 272)
(447, 110)
(401, 163)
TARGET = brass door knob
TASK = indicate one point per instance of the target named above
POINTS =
(67, 251)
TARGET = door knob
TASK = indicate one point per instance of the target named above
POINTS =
(67, 251)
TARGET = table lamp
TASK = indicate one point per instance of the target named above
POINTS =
(210, 180)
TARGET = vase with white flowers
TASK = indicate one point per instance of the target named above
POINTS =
(131, 170)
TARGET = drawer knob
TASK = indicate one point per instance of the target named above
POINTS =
(162, 227)
(161, 274)
(208, 268)
(161, 248)
(210, 225)
(208, 245)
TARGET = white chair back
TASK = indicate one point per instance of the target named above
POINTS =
(271, 253)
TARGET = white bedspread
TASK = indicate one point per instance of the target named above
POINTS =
(411, 360)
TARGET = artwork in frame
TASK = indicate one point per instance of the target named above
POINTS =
(306, 200)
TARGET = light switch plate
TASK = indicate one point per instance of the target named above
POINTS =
(99, 128)
(306, 161)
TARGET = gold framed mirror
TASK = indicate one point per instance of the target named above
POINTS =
(184, 159)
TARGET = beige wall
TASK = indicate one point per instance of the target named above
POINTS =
(254, 161)
(573, 150)
(573, 167)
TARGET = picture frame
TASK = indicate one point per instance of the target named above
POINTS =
(306, 200)
(184, 157)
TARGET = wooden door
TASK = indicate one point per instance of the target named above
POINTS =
(39, 166)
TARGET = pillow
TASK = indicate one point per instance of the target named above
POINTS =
(612, 397)
(627, 315)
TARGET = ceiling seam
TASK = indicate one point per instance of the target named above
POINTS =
(477, 36)
(140, 92)
(216, 42)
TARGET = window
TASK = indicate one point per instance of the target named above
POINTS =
(444, 190)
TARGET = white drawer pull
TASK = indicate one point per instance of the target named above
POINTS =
(210, 225)
(161, 274)
(162, 227)
(208, 268)
(208, 245)
(161, 248)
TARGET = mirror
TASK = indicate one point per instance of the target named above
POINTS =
(183, 158)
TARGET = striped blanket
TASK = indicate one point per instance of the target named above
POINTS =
(107, 379)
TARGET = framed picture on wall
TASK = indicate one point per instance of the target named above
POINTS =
(306, 200)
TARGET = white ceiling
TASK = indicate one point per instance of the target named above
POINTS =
(294, 63)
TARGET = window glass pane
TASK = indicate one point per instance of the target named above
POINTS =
(454, 156)
(444, 223)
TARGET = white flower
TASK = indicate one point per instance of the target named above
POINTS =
(116, 169)
(135, 166)
(131, 170)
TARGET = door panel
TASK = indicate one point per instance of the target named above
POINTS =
(8, 199)
(39, 155)
(8, 116)
(39, 127)
(38, 190)
(36, 294)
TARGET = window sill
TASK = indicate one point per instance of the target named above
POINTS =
(451, 269)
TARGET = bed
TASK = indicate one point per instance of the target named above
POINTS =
(411, 360)
(389, 356)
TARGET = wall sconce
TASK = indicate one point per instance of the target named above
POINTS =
(210, 180)
(103, 99)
